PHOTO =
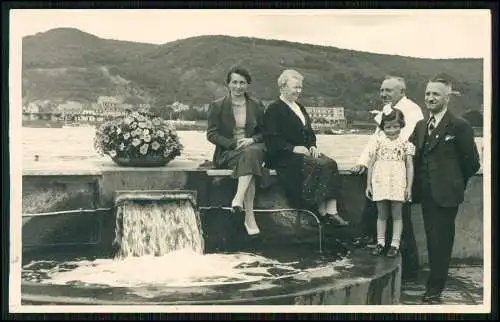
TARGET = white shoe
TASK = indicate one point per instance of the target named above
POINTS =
(252, 231)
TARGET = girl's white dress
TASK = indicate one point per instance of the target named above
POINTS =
(389, 169)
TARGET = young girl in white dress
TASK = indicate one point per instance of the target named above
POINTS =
(389, 179)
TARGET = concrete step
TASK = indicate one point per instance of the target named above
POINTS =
(464, 286)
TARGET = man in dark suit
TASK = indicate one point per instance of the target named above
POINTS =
(446, 157)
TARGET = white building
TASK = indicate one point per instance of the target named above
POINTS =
(179, 107)
(32, 108)
(108, 107)
(331, 114)
(107, 102)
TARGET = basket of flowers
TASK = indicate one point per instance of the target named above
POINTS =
(139, 139)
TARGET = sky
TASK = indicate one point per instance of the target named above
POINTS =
(415, 33)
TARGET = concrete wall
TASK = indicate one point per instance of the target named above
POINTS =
(55, 192)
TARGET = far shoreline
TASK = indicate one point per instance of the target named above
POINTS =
(201, 126)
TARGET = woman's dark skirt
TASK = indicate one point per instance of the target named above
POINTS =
(308, 180)
(247, 161)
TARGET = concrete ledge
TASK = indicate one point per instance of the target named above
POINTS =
(226, 172)
(98, 168)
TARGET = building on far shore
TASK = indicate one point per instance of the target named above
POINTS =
(109, 107)
(332, 115)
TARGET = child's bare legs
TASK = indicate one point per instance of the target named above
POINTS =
(383, 208)
(397, 223)
(383, 215)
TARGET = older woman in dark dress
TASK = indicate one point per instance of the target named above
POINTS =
(235, 128)
(310, 179)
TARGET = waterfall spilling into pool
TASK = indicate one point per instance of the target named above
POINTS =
(158, 256)
(156, 228)
(158, 241)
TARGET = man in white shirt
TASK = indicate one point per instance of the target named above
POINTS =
(393, 94)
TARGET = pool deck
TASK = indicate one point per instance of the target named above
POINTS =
(464, 286)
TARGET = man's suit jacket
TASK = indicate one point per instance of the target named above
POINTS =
(221, 124)
(446, 159)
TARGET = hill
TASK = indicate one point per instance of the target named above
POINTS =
(66, 63)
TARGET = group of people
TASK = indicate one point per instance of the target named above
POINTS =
(409, 159)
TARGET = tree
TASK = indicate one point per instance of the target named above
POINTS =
(474, 117)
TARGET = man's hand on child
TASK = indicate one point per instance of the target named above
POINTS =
(314, 151)
(369, 192)
(358, 169)
(408, 194)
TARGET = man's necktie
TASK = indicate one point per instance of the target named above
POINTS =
(432, 125)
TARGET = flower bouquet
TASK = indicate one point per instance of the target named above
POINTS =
(138, 139)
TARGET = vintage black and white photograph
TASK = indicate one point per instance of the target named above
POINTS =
(250, 160)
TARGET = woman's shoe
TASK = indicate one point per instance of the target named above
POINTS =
(335, 219)
(252, 231)
(236, 208)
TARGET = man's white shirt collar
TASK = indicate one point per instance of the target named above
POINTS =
(387, 109)
(439, 116)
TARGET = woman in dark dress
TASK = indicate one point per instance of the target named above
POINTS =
(310, 179)
(235, 128)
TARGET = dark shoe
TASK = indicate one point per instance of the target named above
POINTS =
(236, 209)
(359, 242)
(335, 220)
(432, 298)
(378, 250)
(362, 241)
(372, 243)
(393, 252)
(411, 277)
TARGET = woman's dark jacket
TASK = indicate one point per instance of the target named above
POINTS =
(221, 124)
(283, 130)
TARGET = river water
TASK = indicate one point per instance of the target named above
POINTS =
(69, 147)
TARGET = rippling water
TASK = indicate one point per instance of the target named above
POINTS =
(196, 270)
(74, 146)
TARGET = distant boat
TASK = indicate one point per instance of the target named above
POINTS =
(77, 124)
(71, 124)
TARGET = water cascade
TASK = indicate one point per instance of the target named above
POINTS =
(159, 258)
(158, 241)
(156, 223)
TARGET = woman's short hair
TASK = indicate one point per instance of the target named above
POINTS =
(394, 115)
(240, 71)
(288, 74)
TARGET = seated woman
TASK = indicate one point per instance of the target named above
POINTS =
(235, 128)
(310, 179)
